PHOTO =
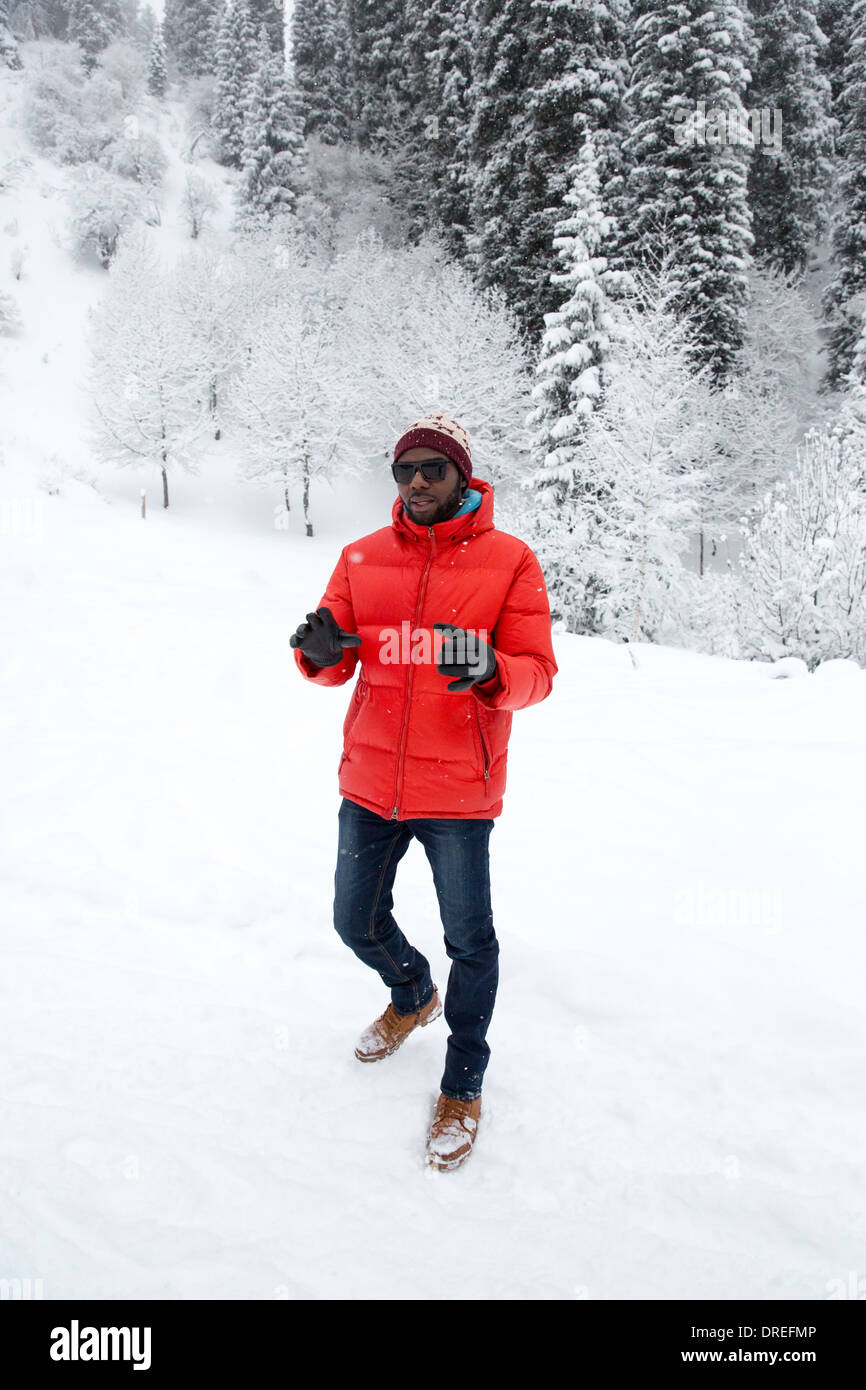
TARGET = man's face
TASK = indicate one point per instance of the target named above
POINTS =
(428, 502)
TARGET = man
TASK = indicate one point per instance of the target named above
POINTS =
(425, 742)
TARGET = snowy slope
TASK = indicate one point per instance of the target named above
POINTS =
(672, 1106)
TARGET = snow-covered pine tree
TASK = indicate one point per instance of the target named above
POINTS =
(686, 180)
(789, 177)
(376, 72)
(273, 153)
(236, 55)
(858, 360)
(156, 74)
(844, 300)
(43, 19)
(613, 539)
(430, 183)
(415, 144)
(541, 75)
(9, 54)
(451, 75)
(190, 29)
(142, 28)
(833, 23)
(172, 24)
(571, 372)
(147, 387)
(320, 68)
(89, 28)
(271, 13)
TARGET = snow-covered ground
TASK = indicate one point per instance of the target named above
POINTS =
(673, 1105)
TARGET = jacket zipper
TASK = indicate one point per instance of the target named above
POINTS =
(418, 608)
(483, 745)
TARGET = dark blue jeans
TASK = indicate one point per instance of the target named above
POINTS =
(370, 849)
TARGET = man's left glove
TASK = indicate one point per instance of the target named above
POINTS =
(464, 656)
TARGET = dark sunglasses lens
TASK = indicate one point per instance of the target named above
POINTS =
(433, 471)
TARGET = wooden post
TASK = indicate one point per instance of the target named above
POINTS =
(143, 505)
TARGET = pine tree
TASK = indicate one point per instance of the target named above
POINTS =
(271, 13)
(156, 74)
(376, 71)
(237, 51)
(833, 22)
(320, 67)
(572, 367)
(451, 78)
(430, 184)
(542, 75)
(844, 297)
(273, 155)
(612, 536)
(48, 18)
(143, 28)
(89, 28)
(687, 178)
(789, 178)
(190, 30)
(9, 55)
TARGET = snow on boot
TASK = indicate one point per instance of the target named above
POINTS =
(391, 1030)
(452, 1131)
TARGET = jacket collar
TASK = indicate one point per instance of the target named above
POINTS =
(458, 528)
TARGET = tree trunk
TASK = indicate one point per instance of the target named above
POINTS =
(701, 570)
(213, 405)
(307, 494)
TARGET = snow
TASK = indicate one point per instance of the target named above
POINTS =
(669, 1108)
(672, 1104)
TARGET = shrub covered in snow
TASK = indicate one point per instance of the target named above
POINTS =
(101, 119)
(68, 116)
(804, 567)
(136, 155)
(102, 206)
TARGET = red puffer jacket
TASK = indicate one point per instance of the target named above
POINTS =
(411, 747)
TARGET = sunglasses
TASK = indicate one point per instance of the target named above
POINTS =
(433, 470)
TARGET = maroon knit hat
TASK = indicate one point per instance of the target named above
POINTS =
(437, 431)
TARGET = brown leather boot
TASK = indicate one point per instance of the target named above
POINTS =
(452, 1131)
(390, 1030)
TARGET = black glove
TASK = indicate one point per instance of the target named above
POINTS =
(322, 640)
(464, 655)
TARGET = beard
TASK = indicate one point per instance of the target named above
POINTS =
(443, 511)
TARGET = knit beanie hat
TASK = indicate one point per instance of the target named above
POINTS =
(436, 431)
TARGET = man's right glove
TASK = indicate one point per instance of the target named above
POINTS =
(320, 639)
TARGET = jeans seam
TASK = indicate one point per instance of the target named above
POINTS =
(372, 932)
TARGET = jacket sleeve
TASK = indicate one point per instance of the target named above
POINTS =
(338, 598)
(522, 641)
